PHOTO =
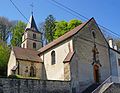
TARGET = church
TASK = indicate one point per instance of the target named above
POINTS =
(80, 56)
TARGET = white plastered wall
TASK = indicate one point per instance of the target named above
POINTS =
(56, 71)
(11, 63)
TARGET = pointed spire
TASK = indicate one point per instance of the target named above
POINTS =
(31, 24)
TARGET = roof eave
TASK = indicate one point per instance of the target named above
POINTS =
(84, 24)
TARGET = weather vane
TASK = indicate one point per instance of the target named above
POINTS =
(32, 8)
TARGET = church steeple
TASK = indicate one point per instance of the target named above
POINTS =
(31, 24)
(31, 38)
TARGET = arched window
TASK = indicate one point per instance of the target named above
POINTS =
(32, 72)
(34, 45)
(53, 57)
(23, 45)
(93, 33)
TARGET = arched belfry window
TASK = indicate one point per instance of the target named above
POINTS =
(53, 57)
(32, 71)
(34, 45)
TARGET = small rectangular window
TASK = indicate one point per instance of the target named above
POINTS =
(23, 45)
(34, 36)
(34, 45)
(53, 57)
(119, 62)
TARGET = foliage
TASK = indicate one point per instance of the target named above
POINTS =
(4, 57)
(73, 23)
(19, 76)
(17, 32)
(13, 76)
(5, 26)
(49, 28)
(62, 27)
(52, 29)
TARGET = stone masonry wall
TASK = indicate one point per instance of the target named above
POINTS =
(8, 85)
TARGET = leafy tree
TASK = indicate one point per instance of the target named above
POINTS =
(4, 57)
(62, 27)
(53, 29)
(49, 28)
(5, 26)
(73, 23)
(17, 32)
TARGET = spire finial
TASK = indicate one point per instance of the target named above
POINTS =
(32, 8)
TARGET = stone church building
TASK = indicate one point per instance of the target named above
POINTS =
(80, 56)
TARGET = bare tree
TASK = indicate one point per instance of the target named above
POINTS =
(5, 26)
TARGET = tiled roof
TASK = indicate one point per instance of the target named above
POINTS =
(69, 57)
(64, 37)
(14, 68)
(26, 54)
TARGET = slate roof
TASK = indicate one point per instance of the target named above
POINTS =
(31, 24)
(68, 57)
(63, 37)
(26, 54)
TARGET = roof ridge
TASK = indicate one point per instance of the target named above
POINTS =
(25, 48)
(26, 54)
(63, 37)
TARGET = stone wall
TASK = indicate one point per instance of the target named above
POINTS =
(24, 68)
(113, 62)
(8, 85)
(67, 71)
(28, 40)
(82, 69)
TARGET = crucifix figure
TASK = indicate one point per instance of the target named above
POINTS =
(95, 52)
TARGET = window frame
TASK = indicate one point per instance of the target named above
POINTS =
(53, 57)
(23, 45)
(118, 62)
(34, 36)
(34, 45)
(32, 71)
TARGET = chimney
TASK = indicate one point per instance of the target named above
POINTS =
(115, 47)
(111, 43)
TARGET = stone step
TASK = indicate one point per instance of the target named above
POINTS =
(91, 88)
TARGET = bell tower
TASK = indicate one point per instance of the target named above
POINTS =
(31, 38)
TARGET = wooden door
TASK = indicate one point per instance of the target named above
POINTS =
(96, 74)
